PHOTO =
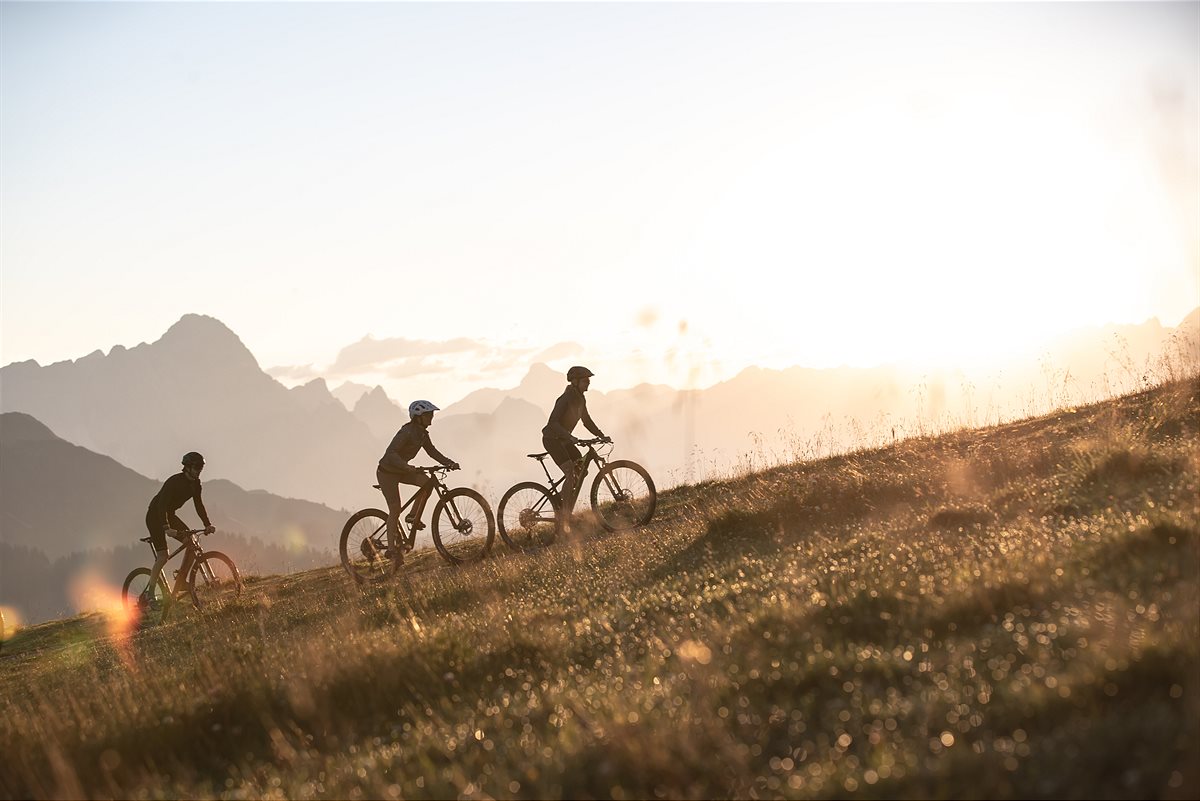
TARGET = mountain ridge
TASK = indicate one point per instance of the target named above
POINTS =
(145, 405)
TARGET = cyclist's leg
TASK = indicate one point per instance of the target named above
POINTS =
(389, 483)
(425, 484)
(567, 457)
(181, 577)
(156, 525)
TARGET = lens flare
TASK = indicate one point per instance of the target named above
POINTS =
(296, 540)
(90, 591)
(11, 621)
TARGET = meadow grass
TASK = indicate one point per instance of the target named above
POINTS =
(995, 613)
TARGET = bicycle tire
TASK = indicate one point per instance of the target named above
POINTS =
(225, 586)
(368, 563)
(462, 542)
(523, 523)
(135, 584)
(623, 496)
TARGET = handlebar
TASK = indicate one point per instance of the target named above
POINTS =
(441, 468)
(594, 441)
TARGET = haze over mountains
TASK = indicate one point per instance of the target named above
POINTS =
(60, 498)
(198, 387)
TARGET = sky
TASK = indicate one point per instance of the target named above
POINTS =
(433, 197)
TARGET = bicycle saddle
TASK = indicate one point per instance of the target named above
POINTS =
(538, 456)
(145, 539)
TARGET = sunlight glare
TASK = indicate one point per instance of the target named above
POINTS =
(90, 591)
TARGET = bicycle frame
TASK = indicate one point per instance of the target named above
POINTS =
(192, 543)
(587, 459)
(439, 487)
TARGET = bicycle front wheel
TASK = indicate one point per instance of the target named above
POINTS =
(364, 547)
(623, 496)
(215, 582)
(526, 515)
(463, 526)
(145, 604)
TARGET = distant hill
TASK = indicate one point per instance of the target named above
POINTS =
(199, 388)
(60, 498)
(348, 392)
(380, 414)
(541, 386)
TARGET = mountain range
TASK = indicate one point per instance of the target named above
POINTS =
(60, 498)
(199, 388)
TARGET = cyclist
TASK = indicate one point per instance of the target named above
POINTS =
(394, 469)
(161, 517)
(560, 443)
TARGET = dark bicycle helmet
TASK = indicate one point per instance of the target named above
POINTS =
(192, 459)
(579, 372)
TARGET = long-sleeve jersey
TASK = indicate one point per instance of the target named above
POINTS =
(404, 446)
(175, 492)
(569, 409)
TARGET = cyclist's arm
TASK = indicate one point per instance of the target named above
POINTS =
(436, 454)
(200, 510)
(589, 424)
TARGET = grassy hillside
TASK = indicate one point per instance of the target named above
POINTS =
(1008, 612)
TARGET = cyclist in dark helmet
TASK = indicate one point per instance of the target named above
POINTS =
(394, 469)
(559, 442)
(161, 517)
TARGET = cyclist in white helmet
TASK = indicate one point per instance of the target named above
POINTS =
(394, 468)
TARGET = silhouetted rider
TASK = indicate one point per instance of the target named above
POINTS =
(394, 469)
(559, 442)
(161, 517)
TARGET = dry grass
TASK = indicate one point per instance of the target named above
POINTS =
(1006, 612)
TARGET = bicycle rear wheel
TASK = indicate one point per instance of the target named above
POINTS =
(526, 516)
(463, 526)
(144, 604)
(623, 496)
(364, 547)
(215, 581)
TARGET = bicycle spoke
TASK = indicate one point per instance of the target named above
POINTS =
(623, 496)
(463, 526)
(364, 547)
(215, 582)
(527, 516)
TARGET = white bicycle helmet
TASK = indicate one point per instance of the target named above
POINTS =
(420, 407)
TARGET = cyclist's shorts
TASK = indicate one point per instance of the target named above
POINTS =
(563, 453)
(154, 524)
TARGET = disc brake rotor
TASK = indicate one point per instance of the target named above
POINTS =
(369, 550)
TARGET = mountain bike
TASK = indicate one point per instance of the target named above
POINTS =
(213, 581)
(623, 498)
(463, 529)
